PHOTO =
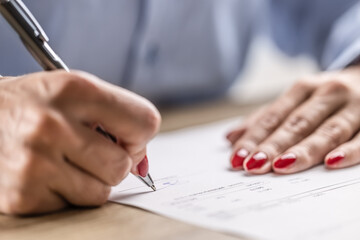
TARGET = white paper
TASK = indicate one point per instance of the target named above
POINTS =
(191, 172)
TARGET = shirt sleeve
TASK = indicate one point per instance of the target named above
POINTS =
(343, 47)
(327, 31)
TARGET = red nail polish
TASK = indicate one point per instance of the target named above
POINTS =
(257, 161)
(239, 157)
(143, 167)
(335, 158)
(285, 160)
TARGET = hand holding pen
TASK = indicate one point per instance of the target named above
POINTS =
(36, 41)
(51, 157)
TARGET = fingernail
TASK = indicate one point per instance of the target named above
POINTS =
(239, 157)
(143, 167)
(257, 160)
(285, 160)
(335, 158)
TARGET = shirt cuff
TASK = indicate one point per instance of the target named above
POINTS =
(342, 49)
(350, 56)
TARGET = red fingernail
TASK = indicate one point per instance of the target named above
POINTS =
(239, 157)
(257, 160)
(143, 167)
(335, 158)
(285, 160)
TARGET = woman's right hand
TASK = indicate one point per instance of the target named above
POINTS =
(50, 157)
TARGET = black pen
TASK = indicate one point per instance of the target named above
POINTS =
(35, 40)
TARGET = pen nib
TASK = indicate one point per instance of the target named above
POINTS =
(148, 181)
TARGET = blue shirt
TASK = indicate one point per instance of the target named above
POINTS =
(171, 50)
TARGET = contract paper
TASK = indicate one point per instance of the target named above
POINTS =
(195, 184)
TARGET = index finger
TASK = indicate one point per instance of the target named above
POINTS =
(129, 117)
(140, 161)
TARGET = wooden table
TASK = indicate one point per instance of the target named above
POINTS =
(115, 221)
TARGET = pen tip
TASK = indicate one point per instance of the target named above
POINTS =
(153, 188)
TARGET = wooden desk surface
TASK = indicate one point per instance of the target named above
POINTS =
(114, 221)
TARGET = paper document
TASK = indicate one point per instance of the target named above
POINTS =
(191, 172)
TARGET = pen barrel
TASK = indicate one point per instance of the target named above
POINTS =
(31, 34)
(44, 55)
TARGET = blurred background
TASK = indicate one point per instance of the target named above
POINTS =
(184, 54)
(267, 74)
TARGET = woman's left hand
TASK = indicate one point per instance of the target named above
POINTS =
(316, 121)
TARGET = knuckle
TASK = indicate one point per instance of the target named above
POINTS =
(26, 169)
(120, 171)
(307, 151)
(270, 121)
(298, 125)
(275, 147)
(73, 80)
(61, 80)
(43, 124)
(117, 168)
(335, 133)
(307, 158)
(312, 151)
(30, 159)
(71, 77)
(253, 137)
(333, 87)
(101, 197)
(153, 121)
(303, 84)
(19, 203)
(73, 83)
(45, 85)
(149, 122)
(60, 84)
(99, 193)
(46, 121)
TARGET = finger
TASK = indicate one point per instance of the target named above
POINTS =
(96, 155)
(346, 155)
(24, 186)
(36, 201)
(235, 134)
(269, 120)
(47, 201)
(140, 163)
(312, 150)
(86, 148)
(142, 169)
(78, 187)
(302, 122)
(131, 118)
(51, 202)
(239, 131)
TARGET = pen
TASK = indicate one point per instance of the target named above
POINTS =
(36, 41)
